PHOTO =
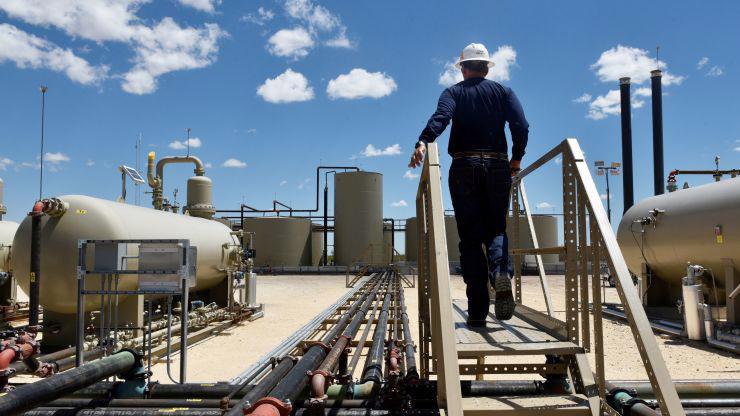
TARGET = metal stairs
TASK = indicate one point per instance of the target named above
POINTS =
(449, 350)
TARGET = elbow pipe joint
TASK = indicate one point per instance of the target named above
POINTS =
(623, 401)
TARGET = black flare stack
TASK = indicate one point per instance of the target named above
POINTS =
(626, 113)
(656, 77)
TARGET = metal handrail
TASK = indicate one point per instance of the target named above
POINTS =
(584, 211)
(436, 324)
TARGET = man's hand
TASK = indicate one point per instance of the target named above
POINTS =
(417, 158)
(515, 166)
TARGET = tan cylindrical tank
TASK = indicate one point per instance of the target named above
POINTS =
(700, 225)
(91, 218)
(280, 241)
(411, 244)
(358, 218)
(453, 239)
(7, 232)
(546, 227)
(317, 245)
(200, 197)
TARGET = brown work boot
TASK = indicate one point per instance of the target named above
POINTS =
(504, 303)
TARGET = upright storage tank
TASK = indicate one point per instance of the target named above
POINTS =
(411, 244)
(317, 244)
(91, 218)
(546, 227)
(280, 241)
(358, 218)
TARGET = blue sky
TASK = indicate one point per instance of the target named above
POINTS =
(361, 73)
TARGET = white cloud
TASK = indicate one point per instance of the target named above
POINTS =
(737, 149)
(159, 48)
(715, 71)
(643, 92)
(263, 16)
(30, 165)
(372, 151)
(208, 6)
(90, 163)
(29, 51)
(316, 16)
(291, 43)
(702, 62)
(410, 175)
(5, 163)
(208, 165)
(610, 103)
(545, 205)
(559, 160)
(283, 183)
(195, 143)
(168, 47)
(603, 196)
(504, 58)
(401, 203)
(359, 83)
(584, 98)
(626, 61)
(233, 163)
(55, 158)
(288, 87)
(252, 131)
(304, 183)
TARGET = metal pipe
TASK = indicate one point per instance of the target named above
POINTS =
(31, 395)
(35, 275)
(83, 402)
(107, 389)
(264, 362)
(409, 353)
(3, 209)
(262, 388)
(685, 388)
(280, 398)
(626, 115)
(156, 182)
(656, 77)
(123, 411)
(374, 362)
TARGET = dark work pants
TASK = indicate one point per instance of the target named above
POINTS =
(479, 189)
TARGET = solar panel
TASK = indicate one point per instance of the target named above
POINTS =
(133, 174)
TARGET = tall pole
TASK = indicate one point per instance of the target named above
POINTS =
(626, 113)
(608, 199)
(41, 166)
(657, 99)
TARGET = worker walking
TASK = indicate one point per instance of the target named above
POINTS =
(480, 176)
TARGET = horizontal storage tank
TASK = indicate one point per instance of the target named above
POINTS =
(280, 241)
(358, 218)
(546, 227)
(700, 225)
(7, 232)
(317, 244)
(89, 218)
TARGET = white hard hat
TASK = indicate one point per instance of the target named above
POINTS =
(474, 52)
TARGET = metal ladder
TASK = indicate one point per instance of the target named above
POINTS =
(448, 349)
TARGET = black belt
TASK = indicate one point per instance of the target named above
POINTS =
(484, 155)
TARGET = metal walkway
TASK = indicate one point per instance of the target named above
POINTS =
(539, 342)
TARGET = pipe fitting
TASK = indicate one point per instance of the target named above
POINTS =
(269, 406)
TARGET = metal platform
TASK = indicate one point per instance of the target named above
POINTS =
(513, 337)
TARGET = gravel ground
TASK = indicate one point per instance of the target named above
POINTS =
(291, 301)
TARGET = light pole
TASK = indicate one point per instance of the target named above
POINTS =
(603, 170)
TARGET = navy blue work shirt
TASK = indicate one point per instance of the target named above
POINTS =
(479, 108)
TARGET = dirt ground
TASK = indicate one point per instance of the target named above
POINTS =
(291, 301)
